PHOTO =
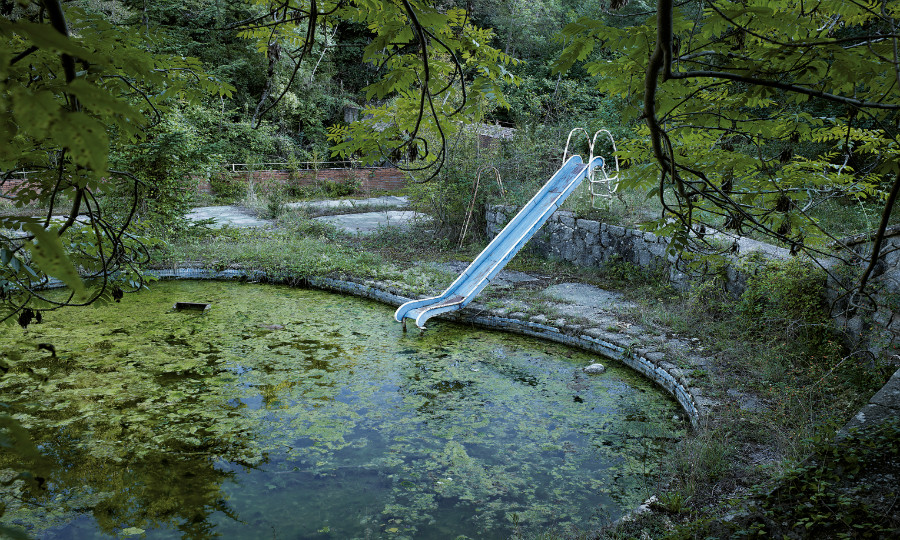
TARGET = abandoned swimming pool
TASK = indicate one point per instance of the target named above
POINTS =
(303, 414)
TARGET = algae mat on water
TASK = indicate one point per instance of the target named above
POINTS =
(286, 413)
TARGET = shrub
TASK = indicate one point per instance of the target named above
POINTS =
(276, 197)
(844, 490)
(785, 295)
(335, 188)
(166, 162)
(227, 186)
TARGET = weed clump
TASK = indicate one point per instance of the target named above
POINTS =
(846, 488)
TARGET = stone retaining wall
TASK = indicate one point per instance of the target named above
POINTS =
(591, 243)
(875, 329)
(876, 323)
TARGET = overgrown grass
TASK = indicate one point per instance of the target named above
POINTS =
(33, 208)
(844, 217)
(626, 208)
(846, 488)
(308, 248)
(776, 357)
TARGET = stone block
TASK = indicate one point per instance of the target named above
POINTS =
(882, 316)
(854, 326)
(870, 414)
(657, 249)
(616, 231)
(889, 395)
(594, 332)
(735, 282)
(605, 238)
(643, 258)
(592, 227)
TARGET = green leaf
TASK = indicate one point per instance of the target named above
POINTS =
(86, 139)
(34, 112)
(49, 255)
(45, 36)
(100, 101)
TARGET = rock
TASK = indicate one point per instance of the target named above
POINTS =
(595, 369)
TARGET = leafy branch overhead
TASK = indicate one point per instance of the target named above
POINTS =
(72, 85)
(754, 112)
(435, 69)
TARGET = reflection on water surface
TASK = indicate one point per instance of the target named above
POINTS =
(285, 413)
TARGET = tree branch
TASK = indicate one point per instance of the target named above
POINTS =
(783, 86)
(879, 236)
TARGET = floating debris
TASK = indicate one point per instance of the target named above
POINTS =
(190, 306)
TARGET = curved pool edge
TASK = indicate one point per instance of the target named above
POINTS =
(651, 365)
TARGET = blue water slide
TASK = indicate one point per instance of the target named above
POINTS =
(503, 248)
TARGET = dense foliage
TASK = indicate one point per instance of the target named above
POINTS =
(741, 117)
(113, 108)
(755, 112)
(73, 88)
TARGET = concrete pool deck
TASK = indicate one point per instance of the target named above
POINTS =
(365, 222)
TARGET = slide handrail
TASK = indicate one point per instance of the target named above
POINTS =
(607, 181)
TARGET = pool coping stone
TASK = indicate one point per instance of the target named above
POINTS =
(651, 364)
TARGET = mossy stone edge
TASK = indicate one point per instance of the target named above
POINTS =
(650, 364)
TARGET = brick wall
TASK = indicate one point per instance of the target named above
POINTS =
(11, 185)
(372, 179)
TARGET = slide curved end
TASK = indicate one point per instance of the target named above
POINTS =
(422, 319)
(401, 312)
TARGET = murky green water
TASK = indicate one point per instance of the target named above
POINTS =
(285, 413)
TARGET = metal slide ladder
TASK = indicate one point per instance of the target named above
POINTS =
(505, 245)
(606, 186)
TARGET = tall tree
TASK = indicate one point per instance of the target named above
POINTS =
(755, 111)
(435, 71)
(72, 84)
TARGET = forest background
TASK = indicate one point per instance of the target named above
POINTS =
(760, 118)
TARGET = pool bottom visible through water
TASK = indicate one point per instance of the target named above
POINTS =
(287, 413)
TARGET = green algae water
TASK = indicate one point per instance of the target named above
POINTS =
(286, 413)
